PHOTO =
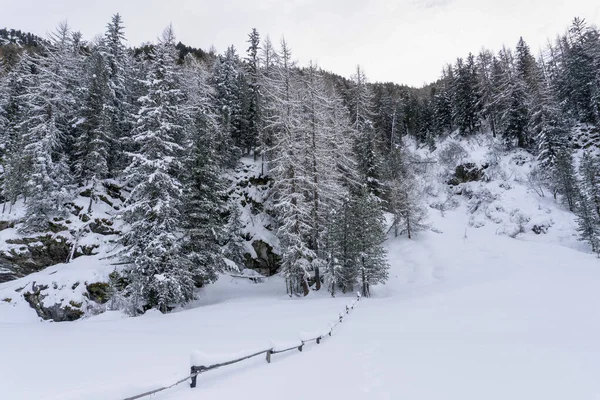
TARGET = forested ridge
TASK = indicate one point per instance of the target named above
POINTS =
(163, 127)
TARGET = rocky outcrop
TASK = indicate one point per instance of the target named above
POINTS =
(56, 312)
(102, 227)
(266, 262)
(468, 172)
(32, 255)
(98, 292)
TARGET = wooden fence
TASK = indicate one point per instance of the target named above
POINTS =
(196, 370)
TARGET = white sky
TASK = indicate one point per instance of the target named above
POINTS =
(405, 41)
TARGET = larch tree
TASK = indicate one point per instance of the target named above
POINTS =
(289, 172)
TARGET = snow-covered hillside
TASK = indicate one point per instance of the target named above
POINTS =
(497, 301)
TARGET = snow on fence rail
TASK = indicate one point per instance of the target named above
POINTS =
(203, 363)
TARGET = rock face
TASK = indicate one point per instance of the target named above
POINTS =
(468, 172)
(33, 255)
(56, 312)
(266, 262)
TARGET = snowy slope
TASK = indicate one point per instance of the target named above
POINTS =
(481, 307)
(484, 316)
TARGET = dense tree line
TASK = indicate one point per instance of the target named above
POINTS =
(527, 102)
(165, 123)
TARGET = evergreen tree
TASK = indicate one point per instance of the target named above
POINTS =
(589, 170)
(234, 248)
(153, 245)
(549, 125)
(486, 66)
(341, 270)
(563, 178)
(119, 104)
(578, 72)
(588, 224)
(357, 235)
(371, 260)
(404, 202)
(12, 116)
(442, 103)
(513, 103)
(466, 96)
(253, 118)
(588, 204)
(229, 86)
(49, 105)
(95, 132)
(366, 144)
(203, 225)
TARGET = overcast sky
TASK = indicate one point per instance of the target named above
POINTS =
(405, 41)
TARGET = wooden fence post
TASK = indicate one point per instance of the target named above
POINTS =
(194, 371)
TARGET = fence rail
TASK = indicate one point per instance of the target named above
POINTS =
(196, 370)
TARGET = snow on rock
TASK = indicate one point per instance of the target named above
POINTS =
(250, 189)
(502, 198)
(61, 286)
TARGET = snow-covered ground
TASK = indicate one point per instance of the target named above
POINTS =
(481, 316)
(480, 308)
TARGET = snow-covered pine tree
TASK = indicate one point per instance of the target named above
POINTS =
(589, 170)
(371, 261)
(357, 235)
(268, 58)
(253, 118)
(577, 72)
(120, 100)
(203, 183)
(442, 106)
(341, 248)
(588, 202)
(229, 99)
(95, 139)
(14, 162)
(486, 63)
(49, 103)
(366, 145)
(466, 96)
(153, 243)
(548, 124)
(404, 198)
(355, 244)
(234, 248)
(287, 167)
(512, 100)
(564, 181)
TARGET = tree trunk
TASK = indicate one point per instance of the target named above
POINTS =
(365, 288)
(317, 279)
(305, 287)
